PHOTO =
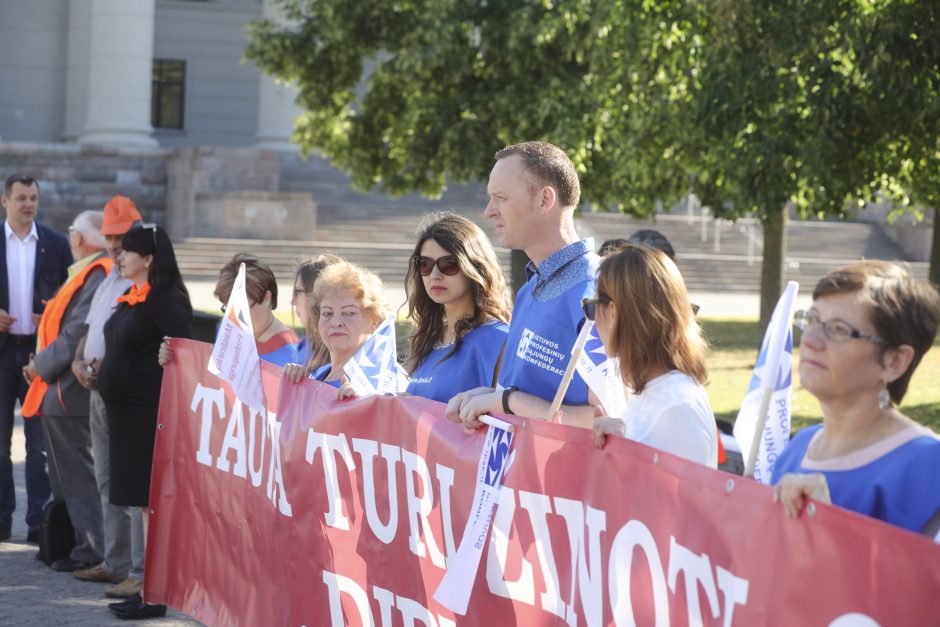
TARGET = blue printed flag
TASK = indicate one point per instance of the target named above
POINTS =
(374, 368)
(602, 374)
(771, 389)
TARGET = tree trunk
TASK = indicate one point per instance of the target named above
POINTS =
(518, 278)
(772, 267)
(934, 272)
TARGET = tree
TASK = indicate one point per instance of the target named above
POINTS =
(822, 105)
(766, 104)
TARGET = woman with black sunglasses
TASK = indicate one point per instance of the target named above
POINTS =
(644, 318)
(459, 301)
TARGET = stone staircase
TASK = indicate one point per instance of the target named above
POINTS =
(734, 263)
(378, 231)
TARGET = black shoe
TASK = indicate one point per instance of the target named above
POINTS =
(140, 611)
(5, 532)
(33, 536)
(68, 565)
(133, 600)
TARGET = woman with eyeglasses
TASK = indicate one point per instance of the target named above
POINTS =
(870, 325)
(305, 276)
(348, 306)
(644, 318)
(458, 300)
(129, 380)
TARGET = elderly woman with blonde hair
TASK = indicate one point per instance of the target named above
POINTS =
(348, 306)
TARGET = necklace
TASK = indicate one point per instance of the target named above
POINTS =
(265, 330)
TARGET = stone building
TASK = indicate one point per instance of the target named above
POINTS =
(152, 99)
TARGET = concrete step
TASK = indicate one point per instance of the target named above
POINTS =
(201, 258)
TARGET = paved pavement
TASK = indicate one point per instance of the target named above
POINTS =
(33, 594)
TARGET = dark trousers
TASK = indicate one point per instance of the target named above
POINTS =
(12, 388)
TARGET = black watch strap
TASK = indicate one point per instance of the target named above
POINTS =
(506, 393)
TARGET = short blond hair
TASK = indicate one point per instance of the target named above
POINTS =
(364, 284)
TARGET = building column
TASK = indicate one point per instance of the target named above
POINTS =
(76, 73)
(120, 70)
(277, 107)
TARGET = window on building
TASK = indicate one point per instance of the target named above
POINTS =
(167, 93)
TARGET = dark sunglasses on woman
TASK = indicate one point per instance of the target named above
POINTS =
(447, 264)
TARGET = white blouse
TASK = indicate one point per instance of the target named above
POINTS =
(672, 414)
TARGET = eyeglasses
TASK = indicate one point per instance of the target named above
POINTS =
(447, 264)
(589, 306)
(834, 330)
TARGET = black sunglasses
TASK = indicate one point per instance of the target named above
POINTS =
(589, 306)
(447, 264)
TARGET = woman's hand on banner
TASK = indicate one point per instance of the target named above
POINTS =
(604, 426)
(793, 489)
(347, 391)
(295, 373)
(165, 355)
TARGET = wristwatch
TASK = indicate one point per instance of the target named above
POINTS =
(506, 393)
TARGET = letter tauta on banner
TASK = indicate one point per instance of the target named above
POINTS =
(761, 437)
(457, 584)
(235, 354)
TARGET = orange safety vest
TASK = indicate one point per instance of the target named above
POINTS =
(49, 326)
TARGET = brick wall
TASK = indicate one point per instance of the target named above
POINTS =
(75, 177)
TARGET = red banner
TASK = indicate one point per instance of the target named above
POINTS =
(345, 513)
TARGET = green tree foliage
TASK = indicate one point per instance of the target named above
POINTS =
(811, 104)
(402, 93)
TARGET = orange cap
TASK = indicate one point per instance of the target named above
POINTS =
(119, 215)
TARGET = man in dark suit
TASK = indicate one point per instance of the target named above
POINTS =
(34, 262)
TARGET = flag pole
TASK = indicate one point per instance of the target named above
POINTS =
(766, 395)
(774, 338)
(569, 371)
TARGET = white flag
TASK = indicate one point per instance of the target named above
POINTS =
(602, 374)
(454, 590)
(235, 354)
(374, 368)
(768, 398)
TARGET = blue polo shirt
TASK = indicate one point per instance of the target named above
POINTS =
(545, 323)
(472, 366)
